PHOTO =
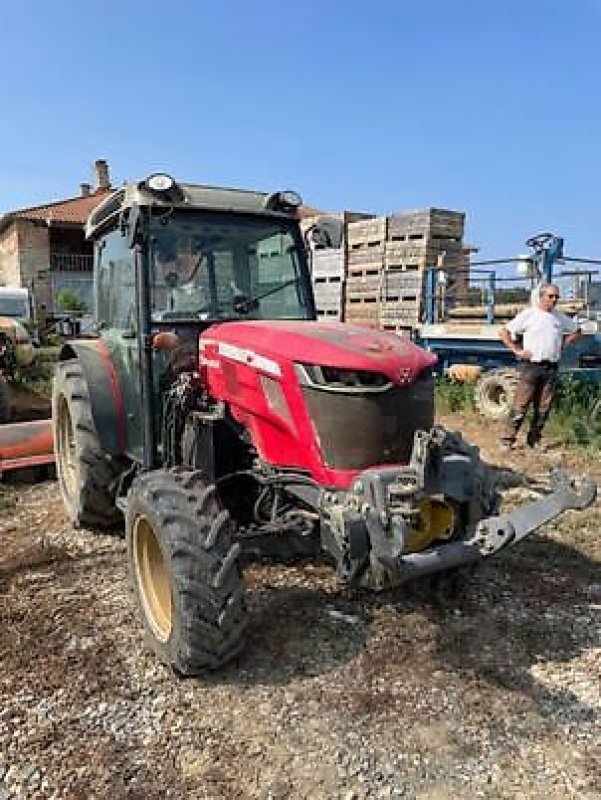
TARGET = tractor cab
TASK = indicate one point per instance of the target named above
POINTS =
(177, 258)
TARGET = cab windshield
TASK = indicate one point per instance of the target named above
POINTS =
(209, 266)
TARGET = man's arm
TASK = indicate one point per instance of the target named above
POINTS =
(570, 338)
(506, 334)
(571, 331)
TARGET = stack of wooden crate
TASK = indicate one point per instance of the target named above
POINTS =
(417, 240)
(366, 241)
(377, 277)
(329, 269)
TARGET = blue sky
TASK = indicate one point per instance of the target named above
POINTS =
(492, 108)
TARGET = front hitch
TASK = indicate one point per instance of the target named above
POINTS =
(494, 533)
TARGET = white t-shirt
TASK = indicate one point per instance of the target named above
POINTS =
(543, 332)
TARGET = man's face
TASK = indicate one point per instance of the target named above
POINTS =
(549, 298)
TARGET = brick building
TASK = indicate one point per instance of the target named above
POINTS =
(44, 247)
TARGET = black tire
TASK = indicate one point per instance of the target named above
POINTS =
(86, 474)
(5, 408)
(495, 391)
(184, 567)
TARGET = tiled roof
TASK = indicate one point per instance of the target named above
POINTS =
(308, 211)
(73, 209)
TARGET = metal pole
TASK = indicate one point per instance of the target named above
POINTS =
(490, 299)
(145, 355)
(430, 296)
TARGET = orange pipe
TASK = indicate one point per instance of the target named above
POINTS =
(26, 444)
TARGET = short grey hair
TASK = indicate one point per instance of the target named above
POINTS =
(543, 288)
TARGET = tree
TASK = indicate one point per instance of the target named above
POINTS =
(68, 300)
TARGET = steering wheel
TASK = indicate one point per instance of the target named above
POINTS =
(540, 240)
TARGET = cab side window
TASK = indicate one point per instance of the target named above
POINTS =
(115, 282)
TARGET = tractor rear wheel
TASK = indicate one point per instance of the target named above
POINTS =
(495, 391)
(185, 570)
(86, 474)
(5, 409)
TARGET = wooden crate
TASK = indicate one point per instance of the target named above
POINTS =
(326, 263)
(328, 294)
(401, 282)
(363, 310)
(329, 297)
(426, 223)
(365, 232)
(400, 306)
(364, 280)
(367, 258)
(329, 314)
(395, 313)
(402, 330)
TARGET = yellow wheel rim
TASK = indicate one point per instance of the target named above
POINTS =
(152, 576)
(65, 445)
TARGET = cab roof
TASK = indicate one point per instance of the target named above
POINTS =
(185, 196)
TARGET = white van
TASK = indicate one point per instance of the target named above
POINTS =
(16, 303)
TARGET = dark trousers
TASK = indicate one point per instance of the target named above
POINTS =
(536, 388)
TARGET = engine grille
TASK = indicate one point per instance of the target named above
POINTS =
(359, 430)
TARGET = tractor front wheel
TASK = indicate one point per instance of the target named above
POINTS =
(184, 568)
(86, 475)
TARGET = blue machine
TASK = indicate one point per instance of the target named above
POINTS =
(479, 344)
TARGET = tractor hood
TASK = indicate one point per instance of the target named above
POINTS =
(326, 344)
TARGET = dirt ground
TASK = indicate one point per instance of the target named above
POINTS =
(496, 694)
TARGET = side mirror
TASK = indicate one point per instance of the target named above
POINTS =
(327, 233)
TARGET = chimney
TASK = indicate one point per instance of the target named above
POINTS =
(102, 175)
(86, 189)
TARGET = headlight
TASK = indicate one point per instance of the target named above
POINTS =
(341, 379)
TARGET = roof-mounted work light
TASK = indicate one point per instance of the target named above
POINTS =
(160, 182)
(283, 201)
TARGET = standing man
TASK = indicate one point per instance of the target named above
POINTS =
(545, 333)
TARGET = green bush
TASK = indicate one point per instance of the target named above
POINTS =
(576, 416)
(453, 395)
(68, 300)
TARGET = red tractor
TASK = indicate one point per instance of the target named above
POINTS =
(226, 424)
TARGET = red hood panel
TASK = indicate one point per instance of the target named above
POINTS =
(329, 344)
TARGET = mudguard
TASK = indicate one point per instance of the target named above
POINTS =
(108, 411)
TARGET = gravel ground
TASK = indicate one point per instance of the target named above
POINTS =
(496, 694)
